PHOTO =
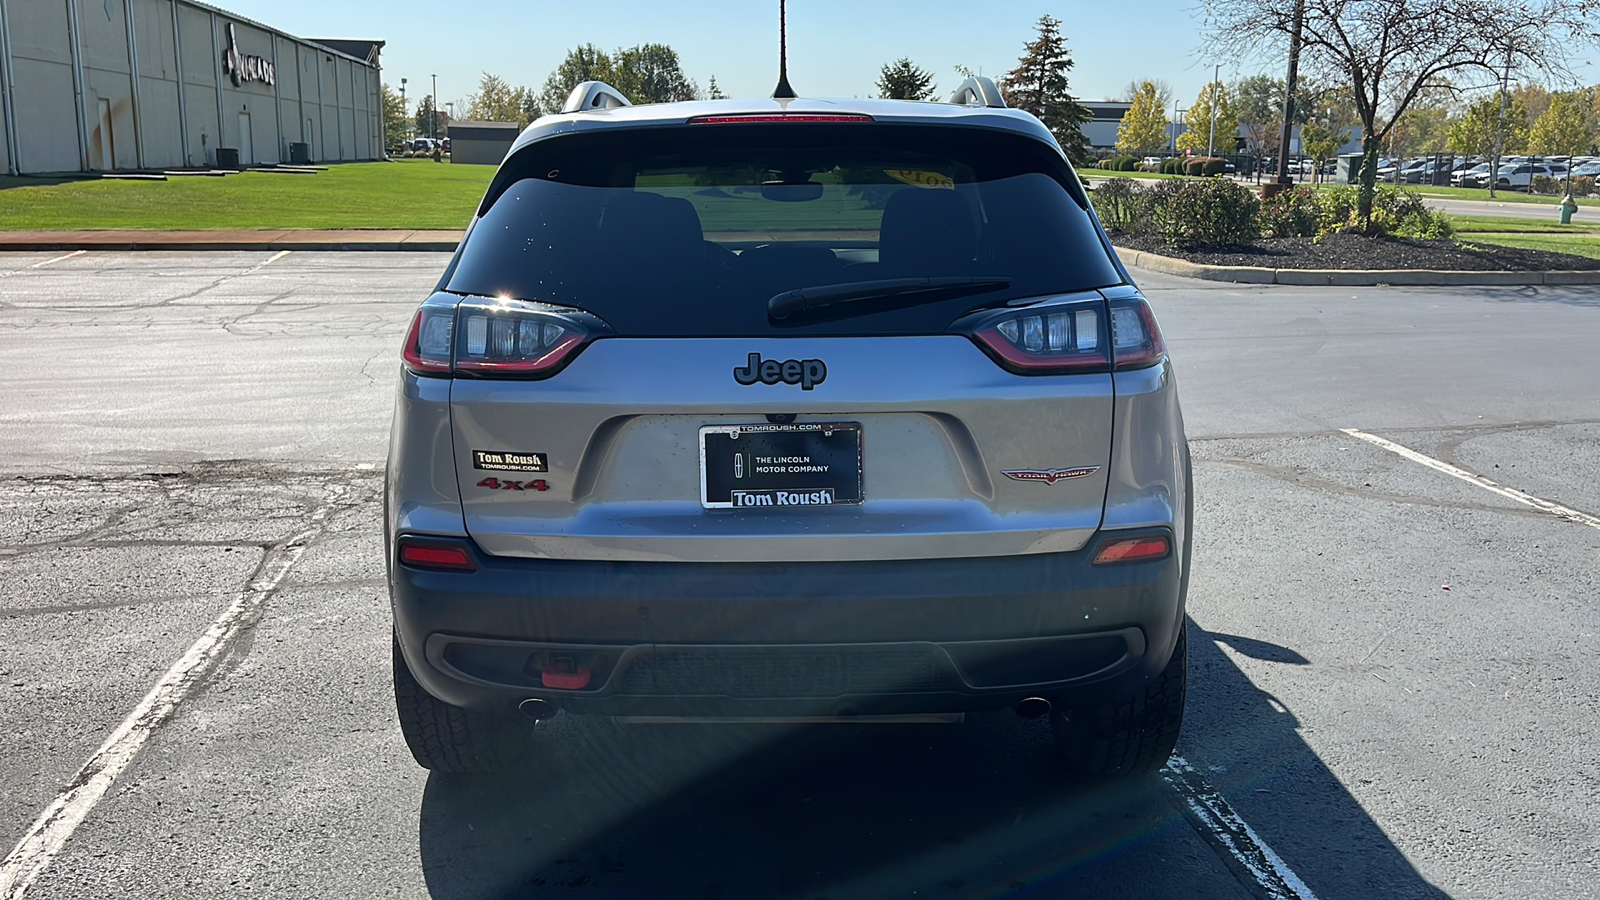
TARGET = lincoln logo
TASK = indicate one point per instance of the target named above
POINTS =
(1050, 476)
(808, 373)
(242, 67)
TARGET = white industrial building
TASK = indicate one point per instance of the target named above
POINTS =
(105, 85)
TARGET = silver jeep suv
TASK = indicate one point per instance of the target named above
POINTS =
(787, 409)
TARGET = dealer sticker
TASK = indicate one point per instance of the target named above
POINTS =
(509, 461)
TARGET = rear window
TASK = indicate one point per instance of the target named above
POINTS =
(690, 230)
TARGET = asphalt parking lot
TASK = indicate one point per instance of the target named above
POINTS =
(1393, 685)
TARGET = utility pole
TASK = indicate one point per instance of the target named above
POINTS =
(1211, 139)
(435, 100)
(1174, 125)
(1500, 126)
(1289, 87)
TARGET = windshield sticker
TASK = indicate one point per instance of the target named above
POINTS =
(508, 461)
(936, 181)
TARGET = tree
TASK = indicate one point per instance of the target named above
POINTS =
(1474, 134)
(1144, 125)
(713, 92)
(1564, 129)
(1039, 85)
(1259, 103)
(395, 127)
(1535, 98)
(905, 80)
(1320, 140)
(1390, 51)
(429, 118)
(1163, 91)
(497, 101)
(651, 73)
(585, 63)
(1200, 126)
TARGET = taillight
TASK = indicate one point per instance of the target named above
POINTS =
(1135, 338)
(496, 338)
(423, 554)
(781, 119)
(1047, 337)
(1135, 549)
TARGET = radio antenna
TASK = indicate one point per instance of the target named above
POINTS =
(783, 91)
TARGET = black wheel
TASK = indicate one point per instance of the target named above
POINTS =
(1128, 734)
(447, 738)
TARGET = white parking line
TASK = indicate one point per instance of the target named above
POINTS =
(40, 265)
(51, 830)
(270, 260)
(1221, 825)
(1539, 503)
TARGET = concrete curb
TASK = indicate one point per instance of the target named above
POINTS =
(375, 240)
(1351, 277)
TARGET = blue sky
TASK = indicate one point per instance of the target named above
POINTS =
(836, 47)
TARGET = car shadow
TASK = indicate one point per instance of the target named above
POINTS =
(977, 809)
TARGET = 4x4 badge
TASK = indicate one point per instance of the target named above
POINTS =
(1050, 476)
(808, 373)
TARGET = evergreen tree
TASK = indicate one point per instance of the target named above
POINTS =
(429, 118)
(1144, 125)
(713, 91)
(1039, 85)
(1197, 119)
(905, 80)
(1564, 129)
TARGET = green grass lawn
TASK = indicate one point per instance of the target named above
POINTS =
(409, 194)
(1576, 244)
(1511, 224)
(1501, 196)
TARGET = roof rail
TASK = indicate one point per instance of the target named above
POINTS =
(594, 95)
(978, 91)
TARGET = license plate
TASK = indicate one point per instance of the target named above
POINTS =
(798, 466)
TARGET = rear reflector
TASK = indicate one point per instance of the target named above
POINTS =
(436, 556)
(780, 118)
(1139, 549)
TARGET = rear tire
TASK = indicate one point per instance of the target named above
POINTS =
(1131, 733)
(447, 738)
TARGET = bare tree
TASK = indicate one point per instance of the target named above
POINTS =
(1390, 51)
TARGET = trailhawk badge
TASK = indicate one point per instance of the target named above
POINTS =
(1050, 476)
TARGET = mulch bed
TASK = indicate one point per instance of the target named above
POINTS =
(1354, 251)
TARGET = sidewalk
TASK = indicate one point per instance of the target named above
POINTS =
(424, 241)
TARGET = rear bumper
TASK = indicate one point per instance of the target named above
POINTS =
(800, 639)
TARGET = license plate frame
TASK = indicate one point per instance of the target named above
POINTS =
(798, 449)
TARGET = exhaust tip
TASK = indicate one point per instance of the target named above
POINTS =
(537, 709)
(1033, 707)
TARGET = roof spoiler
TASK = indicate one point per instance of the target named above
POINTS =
(592, 95)
(978, 91)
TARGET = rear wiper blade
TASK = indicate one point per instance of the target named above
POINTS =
(914, 290)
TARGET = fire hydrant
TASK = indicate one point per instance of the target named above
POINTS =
(1568, 207)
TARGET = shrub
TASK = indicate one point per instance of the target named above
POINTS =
(1293, 213)
(1172, 167)
(1117, 201)
(1582, 186)
(1210, 213)
(1125, 163)
(1544, 184)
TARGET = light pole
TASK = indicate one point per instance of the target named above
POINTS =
(1289, 86)
(435, 101)
(404, 110)
(1174, 132)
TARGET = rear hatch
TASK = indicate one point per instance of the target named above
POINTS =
(781, 341)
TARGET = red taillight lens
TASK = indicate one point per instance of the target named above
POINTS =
(1047, 337)
(781, 119)
(427, 349)
(1136, 340)
(495, 338)
(1137, 549)
(425, 555)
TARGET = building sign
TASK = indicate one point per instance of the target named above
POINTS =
(243, 67)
